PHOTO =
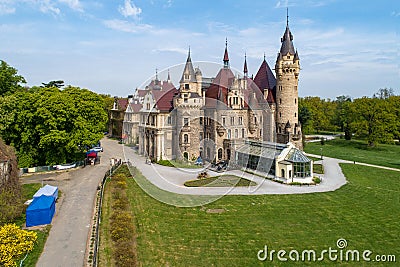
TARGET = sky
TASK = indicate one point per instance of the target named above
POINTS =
(346, 47)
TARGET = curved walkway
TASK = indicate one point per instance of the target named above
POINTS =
(172, 179)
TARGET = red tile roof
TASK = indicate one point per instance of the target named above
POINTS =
(136, 107)
(122, 103)
(164, 99)
(218, 91)
(265, 79)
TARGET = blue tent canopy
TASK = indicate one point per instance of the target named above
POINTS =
(47, 190)
(40, 211)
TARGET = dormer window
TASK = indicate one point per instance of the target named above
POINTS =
(187, 86)
(187, 76)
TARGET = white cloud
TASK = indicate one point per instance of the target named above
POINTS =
(73, 4)
(6, 9)
(168, 4)
(47, 6)
(129, 9)
(126, 26)
(281, 3)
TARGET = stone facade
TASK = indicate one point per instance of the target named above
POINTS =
(204, 116)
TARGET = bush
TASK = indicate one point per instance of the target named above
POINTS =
(14, 243)
(316, 180)
(165, 162)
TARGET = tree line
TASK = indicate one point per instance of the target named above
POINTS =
(375, 119)
(49, 124)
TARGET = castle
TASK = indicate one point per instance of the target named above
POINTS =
(211, 117)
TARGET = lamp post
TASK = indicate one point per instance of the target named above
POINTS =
(321, 153)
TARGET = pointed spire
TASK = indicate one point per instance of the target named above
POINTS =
(226, 57)
(156, 74)
(245, 71)
(264, 56)
(168, 77)
(188, 72)
(287, 44)
(287, 17)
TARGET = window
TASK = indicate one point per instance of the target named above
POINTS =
(235, 100)
(280, 115)
(236, 133)
(186, 121)
(229, 134)
(295, 114)
(243, 133)
(255, 119)
(295, 100)
(187, 76)
(187, 85)
(169, 120)
(153, 120)
(148, 106)
(240, 120)
(201, 120)
(201, 136)
(280, 100)
(219, 153)
(232, 120)
(185, 138)
(223, 121)
(288, 57)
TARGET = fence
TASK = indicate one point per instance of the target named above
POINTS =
(92, 255)
(51, 168)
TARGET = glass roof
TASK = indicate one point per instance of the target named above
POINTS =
(264, 152)
(296, 155)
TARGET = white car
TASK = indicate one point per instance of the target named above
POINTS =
(97, 149)
(64, 166)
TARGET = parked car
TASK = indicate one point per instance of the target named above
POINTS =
(97, 149)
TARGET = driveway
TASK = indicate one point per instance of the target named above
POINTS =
(172, 179)
(66, 243)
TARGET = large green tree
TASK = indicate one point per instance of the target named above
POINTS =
(374, 119)
(50, 125)
(9, 79)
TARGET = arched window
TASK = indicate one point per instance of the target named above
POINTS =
(186, 138)
(243, 132)
(186, 155)
(236, 133)
(219, 153)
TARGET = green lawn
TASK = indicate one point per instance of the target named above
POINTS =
(318, 168)
(365, 212)
(220, 181)
(355, 150)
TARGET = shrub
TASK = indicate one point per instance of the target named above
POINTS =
(316, 180)
(165, 162)
(14, 243)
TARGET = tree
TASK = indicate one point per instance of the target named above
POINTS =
(373, 119)
(49, 126)
(384, 93)
(57, 84)
(14, 243)
(11, 205)
(343, 116)
(9, 79)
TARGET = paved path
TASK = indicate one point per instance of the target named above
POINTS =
(172, 179)
(66, 244)
(358, 163)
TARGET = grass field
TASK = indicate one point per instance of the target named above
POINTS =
(365, 212)
(220, 181)
(356, 150)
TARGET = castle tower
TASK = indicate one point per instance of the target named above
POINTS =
(287, 70)
(188, 82)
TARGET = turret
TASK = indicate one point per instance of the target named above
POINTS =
(287, 70)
